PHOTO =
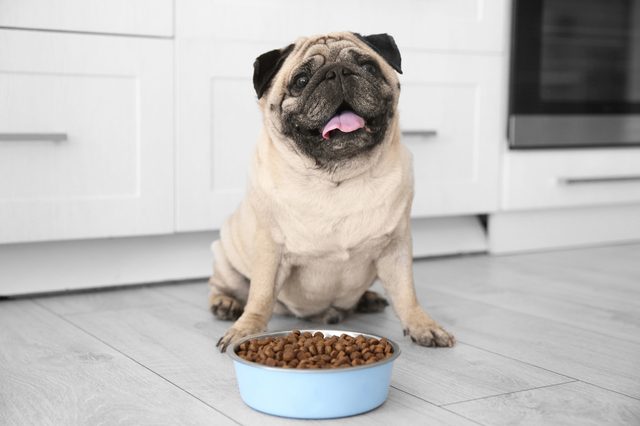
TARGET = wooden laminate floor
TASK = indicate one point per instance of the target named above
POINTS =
(547, 338)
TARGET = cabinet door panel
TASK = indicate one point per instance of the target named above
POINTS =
(218, 125)
(236, 123)
(85, 136)
(450, 116)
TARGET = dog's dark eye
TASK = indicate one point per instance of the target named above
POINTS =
(370, 67)
(300, 81)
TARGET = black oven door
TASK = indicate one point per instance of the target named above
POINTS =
(575, 73)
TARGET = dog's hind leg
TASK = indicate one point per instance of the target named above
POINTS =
(371, 302)
(229, 289)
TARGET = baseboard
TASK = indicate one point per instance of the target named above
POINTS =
(520, 231)
(439, 236)
(73, 265)
(83, 264)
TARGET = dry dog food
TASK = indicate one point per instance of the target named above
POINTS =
(306, 350)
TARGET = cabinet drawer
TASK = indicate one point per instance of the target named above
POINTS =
(451, 116)
(141, 17)
(543, 179)
(85, 136)
(427, 24)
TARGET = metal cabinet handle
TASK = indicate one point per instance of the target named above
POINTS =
(602, 179)
(30, 137)
(428, 133)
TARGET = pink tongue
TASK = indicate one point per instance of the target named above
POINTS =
(346, 122)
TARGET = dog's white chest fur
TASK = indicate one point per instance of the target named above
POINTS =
(334, 222)
(330, 261)
(332, 234)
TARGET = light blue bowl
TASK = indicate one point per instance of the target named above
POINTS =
(313, 394)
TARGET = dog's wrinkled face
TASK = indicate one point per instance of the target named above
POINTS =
(333, 96)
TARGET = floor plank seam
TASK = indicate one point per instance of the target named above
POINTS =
(507, 393)
(571, 379)
(609, 390)
(128, 308)
(177, 299)
(552, 371)
(464, 417)
(434, 405)
(519, 360)
(484, 302)
(134, 360)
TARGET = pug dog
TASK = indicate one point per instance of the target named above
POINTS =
(329, 196)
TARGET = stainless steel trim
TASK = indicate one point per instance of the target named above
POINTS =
(234, 356)
(428, 133)
(30, 137)
(558, 131)
(597, 179)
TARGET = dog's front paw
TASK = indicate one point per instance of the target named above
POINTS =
(430, 333)
(234, 334)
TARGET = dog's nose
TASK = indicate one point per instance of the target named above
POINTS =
(338, 69)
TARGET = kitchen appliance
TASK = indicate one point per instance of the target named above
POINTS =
(575, 74)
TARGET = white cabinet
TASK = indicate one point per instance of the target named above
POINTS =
(86, 136)
(113, 123)
(139, 17)
(451, 118)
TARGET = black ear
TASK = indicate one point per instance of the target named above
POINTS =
(266, 67)
(386, 47)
